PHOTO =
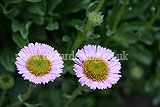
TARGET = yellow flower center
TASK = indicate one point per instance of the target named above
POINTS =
(96, 69)
(38, 65)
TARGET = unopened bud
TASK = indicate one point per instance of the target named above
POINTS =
(95, 18)
(6, 81)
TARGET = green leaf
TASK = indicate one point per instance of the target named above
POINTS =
(66, 39)
(34, 1)
(4, 10)
(17, 38)
(94, 36)
(109, 32)
(137, 10)
(89, 34)
(14, 1)
(22, 27)
(52, 26)
(11, 13)
(147, 39)
(80, 28)
(6, 59)
(51, 5)
(137, 25)
(38, 8)
(140, 54)
(125, 38)
(20, 98)
(39, 20)
(32, 105)
(71, 6)
(74, 23)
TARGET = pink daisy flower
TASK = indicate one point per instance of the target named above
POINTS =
(97, 67)
(39, 63)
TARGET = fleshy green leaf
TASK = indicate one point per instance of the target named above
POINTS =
(34, 1)
(6, 59)
(71, 6)
(66, 39)
(38, 8)
(14, 1)
(94, 36)
(20, 98)
(4, 10)
(147, 39)
(22, 27)
(52, 5)
(17, 38)
(80, 28)
(52, 26)
(32, 105)
(11, 13)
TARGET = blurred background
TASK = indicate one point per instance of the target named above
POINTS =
(130, 26)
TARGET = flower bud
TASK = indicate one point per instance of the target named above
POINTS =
(95, 18)
(6, 81)
(137, 72)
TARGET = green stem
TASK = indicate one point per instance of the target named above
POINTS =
(118, 17)
(74, 95)
(100, 5)
(80, 36)
(2, 97)
(87, 27)
(26, 96)
(153, 19)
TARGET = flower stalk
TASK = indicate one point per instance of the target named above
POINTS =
(87, 27)
(2, 97)
(153, 19)
(26, 96)
(74, 95)
(118, 17)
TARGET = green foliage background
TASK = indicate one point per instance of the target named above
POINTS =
(133, 27)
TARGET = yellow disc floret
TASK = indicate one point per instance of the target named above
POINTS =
(38, 65)
(96, 69)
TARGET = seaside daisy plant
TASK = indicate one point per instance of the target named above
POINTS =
(39, 63)
(97, 67)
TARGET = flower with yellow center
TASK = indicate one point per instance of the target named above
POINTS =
(39, 63)
(97, 67)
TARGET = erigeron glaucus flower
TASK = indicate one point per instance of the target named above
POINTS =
(39, 63)
(97, 67)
